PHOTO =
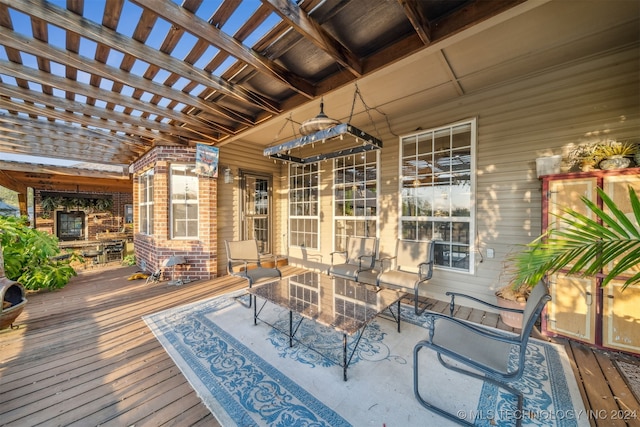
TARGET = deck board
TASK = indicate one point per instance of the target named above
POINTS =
(84, 356)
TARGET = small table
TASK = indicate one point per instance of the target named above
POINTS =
(344, 305)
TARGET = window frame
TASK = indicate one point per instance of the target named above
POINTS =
(363, 225)
(308, 192)
(64, 217)
(146, 202)
(188, 173)
(436, 216)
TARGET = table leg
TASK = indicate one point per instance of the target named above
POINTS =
(344, 356)
(255, 309)
(290, 328)
(398, 316)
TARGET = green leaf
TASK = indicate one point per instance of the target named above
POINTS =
(585, 246)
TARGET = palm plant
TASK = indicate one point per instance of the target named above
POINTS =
(585, 246)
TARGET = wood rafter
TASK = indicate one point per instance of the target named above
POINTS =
(77, 85)
(301, 21)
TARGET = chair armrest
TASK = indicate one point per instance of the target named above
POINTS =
(452, 304)
(232, 261)
(429, 267)
(361, 257)
(337, 252)
(269, 257)
(385, 260)
(494, 334)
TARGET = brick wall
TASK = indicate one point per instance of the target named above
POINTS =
(152, 250)
(95, 222)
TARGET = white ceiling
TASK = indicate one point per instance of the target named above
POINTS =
(524, 41)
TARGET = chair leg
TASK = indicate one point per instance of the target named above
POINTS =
(416, 378)
(419, 310)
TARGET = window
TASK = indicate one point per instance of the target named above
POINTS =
(146, 202)
(128, 214)
(70, 225)
(304, 206)
(184, 202)
(355, 197)
(436, 197)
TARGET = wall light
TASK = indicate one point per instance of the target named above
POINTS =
(228, 175)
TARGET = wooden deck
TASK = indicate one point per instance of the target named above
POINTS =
(83, 356)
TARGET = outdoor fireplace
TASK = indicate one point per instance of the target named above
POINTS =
(13, 301)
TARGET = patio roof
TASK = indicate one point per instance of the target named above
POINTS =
(107, 80)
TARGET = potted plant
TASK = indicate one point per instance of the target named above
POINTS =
(616, 155)
(584, 157)
(581, 246)
(585, 246)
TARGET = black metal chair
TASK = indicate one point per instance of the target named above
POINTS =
(360, 256)
(244, 260)
(410, 268)
(479, 352)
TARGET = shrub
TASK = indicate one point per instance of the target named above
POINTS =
(29, 256)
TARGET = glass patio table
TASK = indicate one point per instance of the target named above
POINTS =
(343, 305)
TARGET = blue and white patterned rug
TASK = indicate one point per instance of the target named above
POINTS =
(248, 375)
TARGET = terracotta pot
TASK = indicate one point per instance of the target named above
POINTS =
(508, 317)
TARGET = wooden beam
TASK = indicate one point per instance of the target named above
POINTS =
(417, 19)
(454, 23)
(23, 127)
(109, 120)
(71, 22)
(15, 41)
(56, 182)
(108, 96)
(43, 145)
(203, 30)
(7, 181)
(36, 168)
(310, 29)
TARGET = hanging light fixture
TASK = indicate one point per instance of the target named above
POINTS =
(323, 138)
(318, 123)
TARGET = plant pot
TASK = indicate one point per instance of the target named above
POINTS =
(615, 162)
(548, 165)
(508, 317)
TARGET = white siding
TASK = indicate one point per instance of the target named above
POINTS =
(244, 157)
(517, 122)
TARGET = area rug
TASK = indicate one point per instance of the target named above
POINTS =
(631, 374)
(247, 375)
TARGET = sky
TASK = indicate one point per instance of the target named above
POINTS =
(94, 11)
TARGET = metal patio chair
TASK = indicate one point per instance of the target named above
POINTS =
(244, 260)
(360, 256)
(410, 268)
(479, 352)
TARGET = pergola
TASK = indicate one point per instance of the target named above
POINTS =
(106, 81)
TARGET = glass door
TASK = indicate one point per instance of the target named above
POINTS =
(256, 210)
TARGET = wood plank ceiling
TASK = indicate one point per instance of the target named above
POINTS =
(104, 81)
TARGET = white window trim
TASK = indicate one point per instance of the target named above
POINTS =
(146, 204)
(333, 207)
(473, 175)
(315, 217)
(189, 202)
